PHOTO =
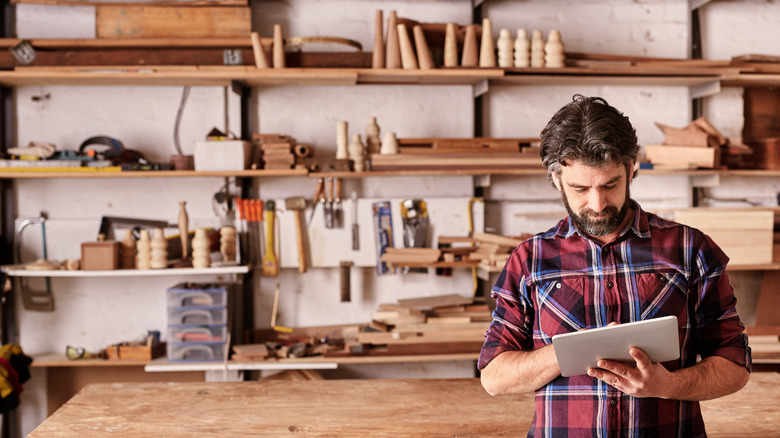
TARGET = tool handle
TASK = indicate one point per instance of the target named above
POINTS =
(338, 189)
(301, 246)
(240, 208)
(270, 264)
(320, 192)
(330, 189)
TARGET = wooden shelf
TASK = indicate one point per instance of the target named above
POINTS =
(19, 271)
(251, 76)
(54, 360)
(32, 173)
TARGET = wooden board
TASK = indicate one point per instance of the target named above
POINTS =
(355, 408)
(744, 235)
(172, 21)
(429, 303)
(668, 155)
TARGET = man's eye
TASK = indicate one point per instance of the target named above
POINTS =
(580, 191)
(610, 187)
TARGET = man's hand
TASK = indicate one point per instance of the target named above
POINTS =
(646, 379)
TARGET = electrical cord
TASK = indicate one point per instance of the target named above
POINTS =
(184, 95)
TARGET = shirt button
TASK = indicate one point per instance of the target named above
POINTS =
(613, 402)
(609, 285)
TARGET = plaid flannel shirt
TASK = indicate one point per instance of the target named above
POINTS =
(561, 281)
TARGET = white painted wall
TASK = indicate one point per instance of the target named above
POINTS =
(95, 312)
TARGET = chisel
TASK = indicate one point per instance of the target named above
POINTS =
(355, 229)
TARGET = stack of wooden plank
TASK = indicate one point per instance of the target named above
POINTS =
(697, 145)
(460, 154)
(493, 250)
(745, 235)
(428, 257)
(277, 150)
(437, 324)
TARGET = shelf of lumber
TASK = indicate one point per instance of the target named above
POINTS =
(82, 172)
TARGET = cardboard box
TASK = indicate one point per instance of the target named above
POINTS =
(100, 256)
(231, 155)
(745, 235)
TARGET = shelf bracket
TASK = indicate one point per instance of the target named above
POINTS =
(480, 88)
(705, 90)
(697, 4)
(482, 180)
(705, 181)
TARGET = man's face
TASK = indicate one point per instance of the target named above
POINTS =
(595, 197)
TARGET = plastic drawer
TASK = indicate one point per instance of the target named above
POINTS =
(197, 298)
(196, 351)
(197, 333)
(197, 315)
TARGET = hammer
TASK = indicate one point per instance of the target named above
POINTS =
(297, 205)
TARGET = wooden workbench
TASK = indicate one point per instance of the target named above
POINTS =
(349, 408)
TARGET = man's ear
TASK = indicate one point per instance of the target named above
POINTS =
(556, 180)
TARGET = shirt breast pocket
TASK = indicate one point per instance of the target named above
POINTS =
(661, 294)
(561, 305)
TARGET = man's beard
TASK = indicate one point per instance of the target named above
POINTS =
(601, 224)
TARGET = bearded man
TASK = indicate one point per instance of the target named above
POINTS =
(609, 262)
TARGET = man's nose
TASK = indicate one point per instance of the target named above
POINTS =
(597, 201)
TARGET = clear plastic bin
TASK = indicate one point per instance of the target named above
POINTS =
(198, 333)
(197, 298)
(196, 351)
(197, 315)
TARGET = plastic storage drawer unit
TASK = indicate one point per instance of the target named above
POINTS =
(197, 322)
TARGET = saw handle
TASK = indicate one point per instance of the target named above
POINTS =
(270, 263)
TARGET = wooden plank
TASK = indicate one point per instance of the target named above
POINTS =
(497, 239)
(172, 21)
(767, 313)
(726, 218)
(429, 303)
(132, 2)
(708, 158)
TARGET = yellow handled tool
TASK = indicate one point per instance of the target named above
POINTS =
(270, 262)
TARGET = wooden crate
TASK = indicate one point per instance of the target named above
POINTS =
(135, 352)
(744, 235)
(766, 153)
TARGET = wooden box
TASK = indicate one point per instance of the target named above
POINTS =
(100, 256)
(683, 157)
(135, 352)
(766, 153)
(745, 235)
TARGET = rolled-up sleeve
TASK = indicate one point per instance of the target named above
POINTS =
(512, 325)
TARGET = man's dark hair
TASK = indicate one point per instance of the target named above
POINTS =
(588, 130)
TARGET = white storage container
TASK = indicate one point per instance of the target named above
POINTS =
(197, 333)
(197, 351)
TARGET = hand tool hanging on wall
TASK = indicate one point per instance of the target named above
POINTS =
(329, 205)
(383, 230)
(355, 228)
(414, 215)
(42, 301)
(297, 205)
(270, 262)
(337, 210)
(241, 229)
(319, 197)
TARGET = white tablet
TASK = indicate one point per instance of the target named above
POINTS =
(578, 351)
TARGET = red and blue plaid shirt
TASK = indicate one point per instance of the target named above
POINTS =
(561, 281)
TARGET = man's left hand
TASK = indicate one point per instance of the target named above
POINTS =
(646, 379)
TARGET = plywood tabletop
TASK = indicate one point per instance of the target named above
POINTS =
(349, 408)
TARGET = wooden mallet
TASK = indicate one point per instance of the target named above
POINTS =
(298, 205)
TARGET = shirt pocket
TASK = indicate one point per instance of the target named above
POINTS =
(661, 294)
(561, 305)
